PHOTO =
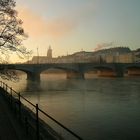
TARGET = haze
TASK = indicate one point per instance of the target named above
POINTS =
(75, 25)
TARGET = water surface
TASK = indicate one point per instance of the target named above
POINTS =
(96, 109)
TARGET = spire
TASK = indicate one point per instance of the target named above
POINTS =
(49, 52)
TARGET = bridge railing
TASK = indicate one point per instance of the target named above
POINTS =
(16, 100)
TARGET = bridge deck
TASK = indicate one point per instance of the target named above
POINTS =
(9, 126)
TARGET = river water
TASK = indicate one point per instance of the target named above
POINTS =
(95, 108)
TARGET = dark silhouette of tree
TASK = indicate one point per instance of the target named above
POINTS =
(11, 34)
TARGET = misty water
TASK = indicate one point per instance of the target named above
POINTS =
(94, 108)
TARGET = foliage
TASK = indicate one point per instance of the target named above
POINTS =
(11, 33)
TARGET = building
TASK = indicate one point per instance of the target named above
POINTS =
(120, 58)
(111, 55)
(49, 53)
(43, 59)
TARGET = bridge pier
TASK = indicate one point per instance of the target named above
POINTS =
(33, 76)
(75, 75)
(119, 71)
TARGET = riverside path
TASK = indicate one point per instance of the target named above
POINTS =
(19, 121)
(10, 128)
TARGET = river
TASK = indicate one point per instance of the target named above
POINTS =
(95, 108)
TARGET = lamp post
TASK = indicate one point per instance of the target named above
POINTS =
(37, 56)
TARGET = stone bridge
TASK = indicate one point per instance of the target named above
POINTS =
(73, 70)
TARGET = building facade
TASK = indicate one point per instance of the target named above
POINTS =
(113, 55)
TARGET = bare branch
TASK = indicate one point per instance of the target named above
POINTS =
(11, 35)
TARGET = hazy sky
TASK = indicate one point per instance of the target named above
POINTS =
(75, 25)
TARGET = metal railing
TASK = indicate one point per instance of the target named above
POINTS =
(11, 94)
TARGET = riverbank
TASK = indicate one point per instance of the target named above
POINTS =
(18, 122)
(9, 126)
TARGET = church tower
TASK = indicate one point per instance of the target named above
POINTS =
(49, 53)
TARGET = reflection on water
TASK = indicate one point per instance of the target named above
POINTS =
(96, 109)
(33, 86)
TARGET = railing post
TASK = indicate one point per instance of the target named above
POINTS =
(6, 88)
(37, 123)
(26, 125)
(3, 85)
(11, 96)
(19, 105)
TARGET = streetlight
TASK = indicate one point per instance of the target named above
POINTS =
(37, 56)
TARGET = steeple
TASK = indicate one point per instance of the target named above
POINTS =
(49, 52)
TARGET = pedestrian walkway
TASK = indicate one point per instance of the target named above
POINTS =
(10, 128)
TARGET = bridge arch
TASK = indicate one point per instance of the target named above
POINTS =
(74, 70)
(132, 70)
(14, 74)
(101, 71)
(31, 75)
(53, 73)
(71, 73)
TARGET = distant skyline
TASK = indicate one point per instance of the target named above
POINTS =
(71, 26)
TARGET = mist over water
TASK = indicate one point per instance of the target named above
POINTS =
(95, 108)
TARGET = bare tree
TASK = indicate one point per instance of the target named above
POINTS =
(11, 34)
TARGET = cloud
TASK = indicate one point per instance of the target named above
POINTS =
(36, 26)
(103, 46)
(60, 27)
